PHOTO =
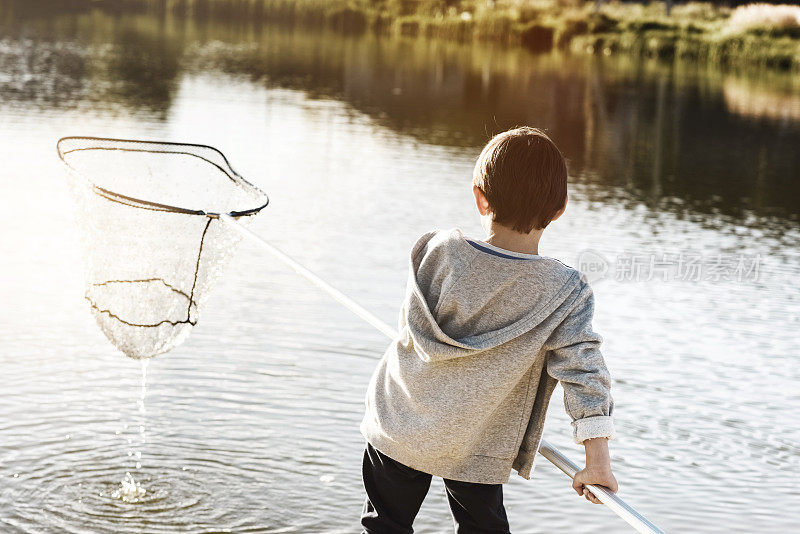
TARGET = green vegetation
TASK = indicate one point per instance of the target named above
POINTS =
(757, 34)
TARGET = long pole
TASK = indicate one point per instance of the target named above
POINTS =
(556, 457)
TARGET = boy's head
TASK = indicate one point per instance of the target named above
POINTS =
(523, 177)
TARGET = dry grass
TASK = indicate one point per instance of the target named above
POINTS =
(765, 18)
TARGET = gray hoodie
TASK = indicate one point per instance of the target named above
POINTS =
(463, 392)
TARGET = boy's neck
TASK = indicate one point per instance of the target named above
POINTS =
(508, 239)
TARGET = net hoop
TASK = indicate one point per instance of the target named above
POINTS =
(150, 218)
(147, 204)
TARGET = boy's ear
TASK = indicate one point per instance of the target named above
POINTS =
(480, 201)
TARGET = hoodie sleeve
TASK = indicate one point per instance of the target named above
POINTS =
(574, 359)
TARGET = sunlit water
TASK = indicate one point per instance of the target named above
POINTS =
(131, 490)
(363, 144)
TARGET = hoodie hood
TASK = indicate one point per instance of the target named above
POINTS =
(455, 307)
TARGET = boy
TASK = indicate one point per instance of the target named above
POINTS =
(487, 329)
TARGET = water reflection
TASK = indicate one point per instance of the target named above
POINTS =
(671, 135)
(146, 66)
(762, 100)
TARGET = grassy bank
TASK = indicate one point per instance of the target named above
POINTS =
(767, 35)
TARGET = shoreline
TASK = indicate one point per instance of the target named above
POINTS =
(696, 31)
(701, 32)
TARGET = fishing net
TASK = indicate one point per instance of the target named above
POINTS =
(154, 244)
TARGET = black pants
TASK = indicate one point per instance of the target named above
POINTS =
(395, 493)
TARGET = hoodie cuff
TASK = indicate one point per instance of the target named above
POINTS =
(598, 426)
(524, 463)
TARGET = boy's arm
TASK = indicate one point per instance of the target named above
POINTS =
(574, 359)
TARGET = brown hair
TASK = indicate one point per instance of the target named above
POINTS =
(524, 177)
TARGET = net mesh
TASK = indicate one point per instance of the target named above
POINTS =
(153, 243)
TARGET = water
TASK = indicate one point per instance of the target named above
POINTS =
(131, 490)
(363, 144)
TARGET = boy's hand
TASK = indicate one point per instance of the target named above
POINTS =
(597, 471)
(597, 477)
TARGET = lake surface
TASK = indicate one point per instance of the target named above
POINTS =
(363, 144)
